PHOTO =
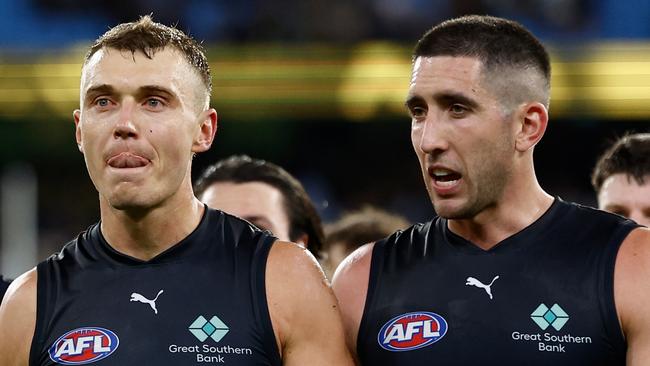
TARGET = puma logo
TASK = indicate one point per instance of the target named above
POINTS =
(471, 281)
(137, 297)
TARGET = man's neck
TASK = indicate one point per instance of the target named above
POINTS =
(144, 234)
(508, 217)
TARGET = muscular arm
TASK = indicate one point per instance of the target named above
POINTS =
(632, 294)
(350, 284)
(304, 312)
(17, 320)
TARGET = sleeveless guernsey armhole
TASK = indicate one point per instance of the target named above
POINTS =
(376, 266)
(609, 312)
(261, 307)
(43, 311)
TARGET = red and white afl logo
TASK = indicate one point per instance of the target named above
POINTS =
(411, 331)
(83, 346)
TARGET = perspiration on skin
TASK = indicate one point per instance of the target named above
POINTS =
(474, 139)
(142, 117)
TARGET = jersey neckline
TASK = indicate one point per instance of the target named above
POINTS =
(518, 239)
(177, 251)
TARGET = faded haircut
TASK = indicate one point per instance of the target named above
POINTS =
(148, 37)
(501, 45)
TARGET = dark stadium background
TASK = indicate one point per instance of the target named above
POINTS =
(315, 86)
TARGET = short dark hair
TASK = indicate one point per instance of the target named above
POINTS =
(148, 37)
(629, 155)
(369, 224)
(302, 215)
(497, 42)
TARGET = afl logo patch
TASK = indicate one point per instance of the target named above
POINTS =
(83, 346)
(411, 331)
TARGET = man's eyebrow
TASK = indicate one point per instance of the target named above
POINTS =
(155, 89)
(413, 99)
(443, 98)
(100, 89)
(615, 206)
(144, 90)
(449, 97)
(259, 220)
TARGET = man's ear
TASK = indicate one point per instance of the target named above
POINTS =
(207, 130)
(533, 119)
(77, 129)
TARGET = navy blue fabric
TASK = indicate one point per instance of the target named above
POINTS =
(210, 301)
(551, 304)
(4, 285)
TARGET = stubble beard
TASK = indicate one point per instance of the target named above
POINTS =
(487, 191)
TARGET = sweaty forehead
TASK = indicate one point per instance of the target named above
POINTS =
(441, 69)
(123, 69)
(446, 74)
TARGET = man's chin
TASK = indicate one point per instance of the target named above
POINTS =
(453, 210)
(130, 204)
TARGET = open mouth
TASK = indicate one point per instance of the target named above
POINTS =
(444, 177)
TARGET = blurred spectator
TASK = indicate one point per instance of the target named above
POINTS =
(354, 229)
(621, 178)
(264, 194)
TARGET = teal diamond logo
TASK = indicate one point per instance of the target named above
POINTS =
(555, 317)
(203, 329)
(208, 328)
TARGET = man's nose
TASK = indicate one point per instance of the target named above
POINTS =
(434, 139)
(125, 126)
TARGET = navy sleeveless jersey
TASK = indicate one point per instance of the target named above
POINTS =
(543, 296)
(4, 285)
(201, 302)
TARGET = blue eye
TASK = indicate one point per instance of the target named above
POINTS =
(102, 102)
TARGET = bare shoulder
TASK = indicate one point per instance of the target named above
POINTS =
(350, 284)
(303, 262)
(632, 294)
(18, 320)
(357, 263)
(303, 309)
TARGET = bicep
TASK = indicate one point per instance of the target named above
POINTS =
(632, 294)
(18, 320)
(350, 285)
(304, 311)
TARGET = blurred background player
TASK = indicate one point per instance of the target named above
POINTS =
(355, 228)
(264, 194)
(621, 178)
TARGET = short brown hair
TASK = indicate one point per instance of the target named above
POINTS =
(148, 37)
(363, 226)
(301, 212)
(629, 155)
